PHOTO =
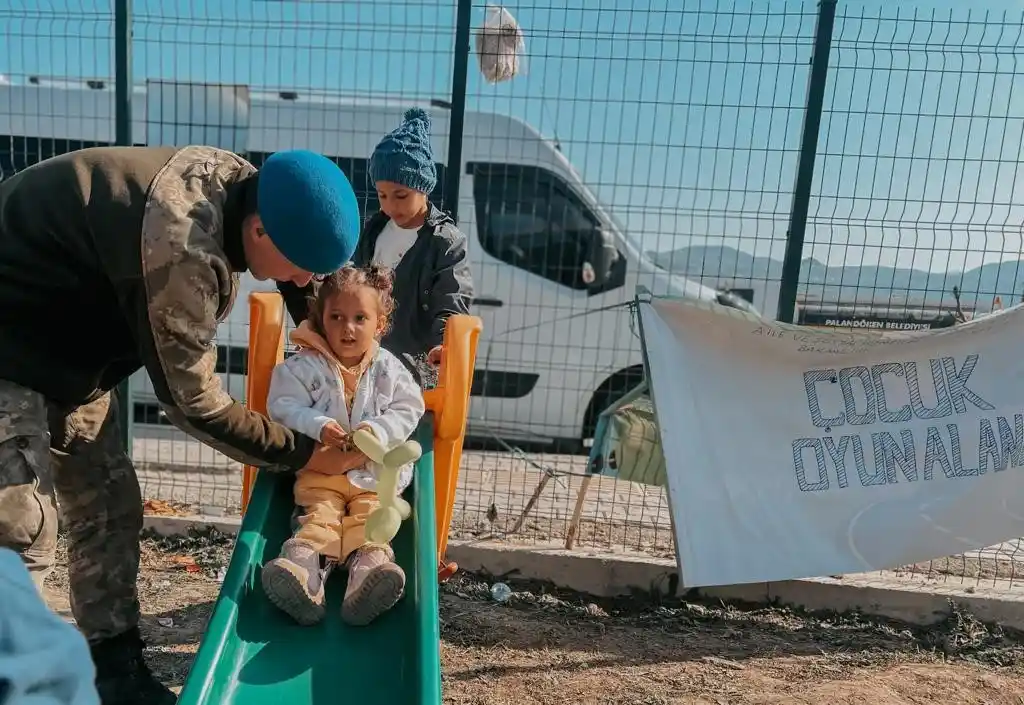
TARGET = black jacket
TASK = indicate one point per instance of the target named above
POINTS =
(432, 282)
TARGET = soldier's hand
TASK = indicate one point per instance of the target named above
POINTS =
(332, 461)
(325, 460)
(334, 435)
(353, 459)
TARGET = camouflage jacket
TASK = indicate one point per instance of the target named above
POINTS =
(115, 258)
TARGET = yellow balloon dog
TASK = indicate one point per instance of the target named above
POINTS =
(383, 523)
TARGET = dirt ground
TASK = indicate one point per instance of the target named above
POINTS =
(545, 646)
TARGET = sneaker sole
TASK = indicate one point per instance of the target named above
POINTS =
(381, 590)
(284, 589)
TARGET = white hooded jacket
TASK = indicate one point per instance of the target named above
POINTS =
(307, 391)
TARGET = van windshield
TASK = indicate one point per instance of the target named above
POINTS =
(530, 218)
(610, 214)
(607, 212)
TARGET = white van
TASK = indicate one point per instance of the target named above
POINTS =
(554, 271)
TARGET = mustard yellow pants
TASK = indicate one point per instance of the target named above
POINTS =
(334, 513)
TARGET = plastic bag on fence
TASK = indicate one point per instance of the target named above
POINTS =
(500, 46)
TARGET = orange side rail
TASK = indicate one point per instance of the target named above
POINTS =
(266, 350)
(449, 401)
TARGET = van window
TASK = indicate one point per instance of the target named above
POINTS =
(529, 217)
(358, 172)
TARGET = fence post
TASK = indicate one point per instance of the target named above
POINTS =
(123, 137)
(457, 118)
(805, 167)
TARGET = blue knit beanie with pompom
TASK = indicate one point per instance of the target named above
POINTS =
(404, 155)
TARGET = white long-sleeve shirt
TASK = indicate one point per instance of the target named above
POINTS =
(392, 244)
(307, 392)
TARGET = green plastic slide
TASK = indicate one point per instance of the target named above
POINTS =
(254, 654)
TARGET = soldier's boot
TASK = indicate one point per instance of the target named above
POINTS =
(375, 584)
(294, 582)
(122, 676)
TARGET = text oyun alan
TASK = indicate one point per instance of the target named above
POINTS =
(890, 393)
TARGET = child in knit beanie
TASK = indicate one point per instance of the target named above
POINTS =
(420, 242)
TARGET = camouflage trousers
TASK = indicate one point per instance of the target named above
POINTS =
(49, 456)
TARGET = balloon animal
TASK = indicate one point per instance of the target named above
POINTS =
(383, 523)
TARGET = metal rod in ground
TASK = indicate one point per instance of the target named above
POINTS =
(532, 501)
(123, 137)
(457, 118)
(805, 167)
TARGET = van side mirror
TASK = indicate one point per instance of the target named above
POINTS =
(726, 297)
(598, 266)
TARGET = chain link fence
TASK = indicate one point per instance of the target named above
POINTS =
(675, 138)
(913, 216)
(656, 110)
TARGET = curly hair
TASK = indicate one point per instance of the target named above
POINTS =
(381, 279)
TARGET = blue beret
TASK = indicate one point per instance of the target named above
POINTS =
(308, 209)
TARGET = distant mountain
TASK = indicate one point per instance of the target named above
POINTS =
(1005, 279)
(715, 262)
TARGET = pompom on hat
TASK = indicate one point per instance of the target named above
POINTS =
(404, 155)
(308, 210)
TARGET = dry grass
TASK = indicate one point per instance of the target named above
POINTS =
(546, 646)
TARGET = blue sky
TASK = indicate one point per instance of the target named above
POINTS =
(686, 122)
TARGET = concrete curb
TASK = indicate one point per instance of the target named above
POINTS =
(910, 599)
(917, 600)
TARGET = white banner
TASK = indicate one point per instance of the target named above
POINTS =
(797, 452)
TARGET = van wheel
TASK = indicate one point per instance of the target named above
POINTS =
(610, 391)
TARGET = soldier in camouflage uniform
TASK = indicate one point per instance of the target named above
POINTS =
(117, 258)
